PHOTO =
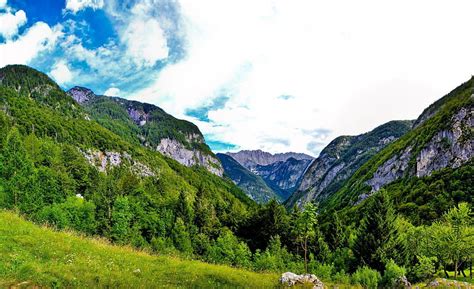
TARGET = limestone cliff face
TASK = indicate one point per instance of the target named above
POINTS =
(150, 126)
(451, 147)
(340, 159)
(188, 157)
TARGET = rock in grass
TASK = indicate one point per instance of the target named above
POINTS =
(290, 279)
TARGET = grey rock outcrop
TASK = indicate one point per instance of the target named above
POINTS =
(188, 157)
(104, 161)
(451, 147)
(81, 94)
(340, 160)
(252, 158)
(291, 279)
(281, 172)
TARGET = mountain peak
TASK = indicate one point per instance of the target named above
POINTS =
(81, 94)
(25, 79)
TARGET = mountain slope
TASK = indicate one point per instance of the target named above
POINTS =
(283, 176)
(252, 158)
(253, 185)
(341, 158)
(32, 256)
(52, 154)
(149, 125)
(281, 172)
(442, 138)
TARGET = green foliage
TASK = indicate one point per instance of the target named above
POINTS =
(304, 228)
(392, 273)
(366, 277)
(75, 213)
(49, 259)
(181, 238)
(375, 241)
(121, 217)
(424, 269)
(227, 249)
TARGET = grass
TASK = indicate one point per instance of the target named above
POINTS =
(32, 256)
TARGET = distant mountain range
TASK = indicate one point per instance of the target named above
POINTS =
(280, 173)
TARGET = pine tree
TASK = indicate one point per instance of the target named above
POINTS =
(377, 233)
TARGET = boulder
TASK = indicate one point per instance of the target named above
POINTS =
(402, 282)
(290, 279)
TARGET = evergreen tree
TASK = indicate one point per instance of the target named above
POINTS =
(377, 233)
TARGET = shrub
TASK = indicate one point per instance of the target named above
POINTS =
(341, 277)
(368, 278)
(424, 269)
(392, 273)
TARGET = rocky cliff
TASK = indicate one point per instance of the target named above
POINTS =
(252, 158)
(281, 172)
(149, 126)
(441, 138)
(283, 176)
(341, 158)
(252, 184)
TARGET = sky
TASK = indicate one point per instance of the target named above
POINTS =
(276, 75)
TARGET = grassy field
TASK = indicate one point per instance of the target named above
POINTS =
(33, 256)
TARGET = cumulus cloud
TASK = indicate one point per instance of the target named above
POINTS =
(11, 22)
(145, 41)
(76, 5)
(112, 91)
(61, 73)
(36, 39)
(346, 70)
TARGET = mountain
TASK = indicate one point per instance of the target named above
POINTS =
(61, 167)
(425, 167)
(150, 126)
(341, 158)
(283, 176)
(253, 185)
(281, 172)
(252, 158)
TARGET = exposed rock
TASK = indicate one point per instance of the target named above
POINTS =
(451, 147)
(283, 176)
(391, 170)
(188, 157)
(138, 116)
(433, 283)
(448, 148)
(402, 282)
(340, 159)
(252, 158)
(104, 161)
(291, 279)
(81, 94)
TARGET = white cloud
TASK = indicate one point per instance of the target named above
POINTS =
(36, 39)
(112, 91)
(61, 73)
(3, 4)
(145, 41)
(348, 65)
(10, 23)
(77, 5)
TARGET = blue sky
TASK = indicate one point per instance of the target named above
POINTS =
(275, 75)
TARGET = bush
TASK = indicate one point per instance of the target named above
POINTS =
(75, 213)
(424, 269)
(392, 273)
(341, 278)
(322, 271)
(368, 278)
(228, 250)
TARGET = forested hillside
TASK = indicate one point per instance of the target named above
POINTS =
(405, 212)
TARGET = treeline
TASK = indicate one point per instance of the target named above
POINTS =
(54, 184)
